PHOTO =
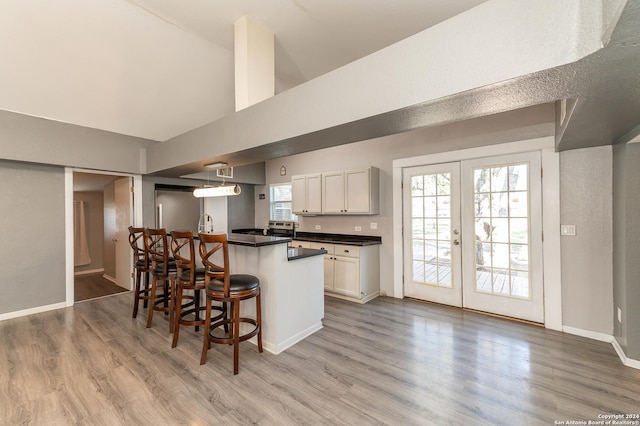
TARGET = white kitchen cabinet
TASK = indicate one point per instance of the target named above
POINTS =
(301, 244)
(306, 194)
(351, 191)
(351, 272)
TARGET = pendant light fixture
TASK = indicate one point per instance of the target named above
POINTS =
(218, 191)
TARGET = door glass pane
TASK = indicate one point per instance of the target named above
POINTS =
(502, 230)
(431, 233)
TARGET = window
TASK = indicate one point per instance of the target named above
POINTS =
(280, 207)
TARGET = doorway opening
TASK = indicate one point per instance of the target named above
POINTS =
(99, 211)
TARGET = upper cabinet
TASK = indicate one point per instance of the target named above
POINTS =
(351, 192)
(337, 193)
(306, 194)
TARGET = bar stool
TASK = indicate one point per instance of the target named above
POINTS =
(223, 287)
(163, 269)
(189, 278)
(141, 266)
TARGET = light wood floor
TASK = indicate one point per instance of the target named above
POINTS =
(389, 362)
(91, 286)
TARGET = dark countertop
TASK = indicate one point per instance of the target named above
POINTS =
(354, 240)
(294, 253)
(255, 240)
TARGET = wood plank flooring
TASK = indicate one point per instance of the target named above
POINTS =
(391, 362)
(91, 286)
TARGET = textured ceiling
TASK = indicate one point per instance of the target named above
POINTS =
(158, 68)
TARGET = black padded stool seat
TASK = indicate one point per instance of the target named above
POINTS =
(237, 282)
(226, 288)
(186, 274)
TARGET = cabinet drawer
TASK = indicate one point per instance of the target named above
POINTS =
(303, 244)
(346, 251)
(323, 246)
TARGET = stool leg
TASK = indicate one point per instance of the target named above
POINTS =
(236, 335)
(176, 327)
(165, 297)
(146, 289)
(136, 294)
(259, 320)
(152, 298)
(196, 299)
(207, 326)
(172, 304)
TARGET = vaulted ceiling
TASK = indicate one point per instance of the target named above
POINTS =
(158, 68)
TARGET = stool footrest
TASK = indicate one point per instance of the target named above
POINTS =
(229, 322)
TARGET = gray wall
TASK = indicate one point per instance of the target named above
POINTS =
(587, 258)
(94, 219)
(241, 209)
(626, 248)
(32, 228)
(25, 138)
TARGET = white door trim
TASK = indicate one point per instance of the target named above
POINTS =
(550, 213)
(68, 219)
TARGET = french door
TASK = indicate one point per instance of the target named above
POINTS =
(473, 235)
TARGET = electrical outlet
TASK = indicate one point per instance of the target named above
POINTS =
(373, 225)
(620, 315)
(318, 227)
(358, 228)
(568, 230)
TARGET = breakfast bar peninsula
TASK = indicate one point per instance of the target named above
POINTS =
(291, 282)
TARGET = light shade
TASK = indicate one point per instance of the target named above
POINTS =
(217, 191)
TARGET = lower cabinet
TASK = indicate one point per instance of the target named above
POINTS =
(351, 272)
(303, 244)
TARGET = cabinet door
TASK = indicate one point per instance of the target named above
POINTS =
(333, 192)
(303, 244)
(298, 194)
(346, 276)
(357, 191)
(328, 273)
(314, 193)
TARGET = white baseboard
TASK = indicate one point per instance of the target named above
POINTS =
(275, 348)
(89, 271)
(31, 311)
(604, 338)
(109, 277)
(623, 357)
(588, 334)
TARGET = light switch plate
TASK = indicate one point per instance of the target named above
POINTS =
(568, 230)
